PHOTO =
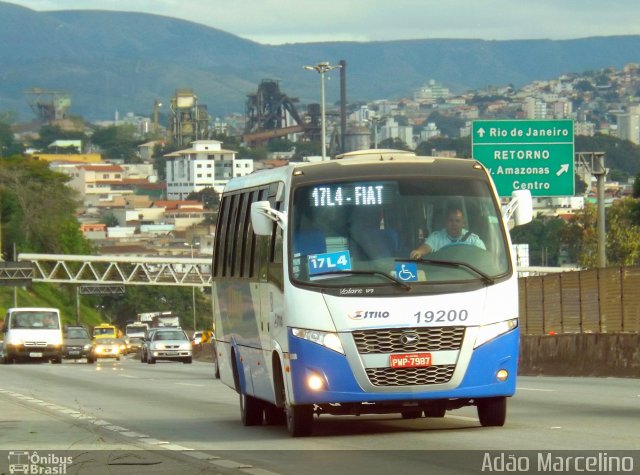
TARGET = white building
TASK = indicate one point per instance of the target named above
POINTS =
(392, 130)
(534, 108)
(431, 92)
(629, 125)
(429, 131)
(205, 165)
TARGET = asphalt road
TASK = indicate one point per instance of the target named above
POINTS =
(178, 408)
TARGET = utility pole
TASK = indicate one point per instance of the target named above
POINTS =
(593, 162)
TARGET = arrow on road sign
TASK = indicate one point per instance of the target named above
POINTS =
(564, 168)
(481, 132)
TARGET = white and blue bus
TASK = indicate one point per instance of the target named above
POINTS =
(321, 305)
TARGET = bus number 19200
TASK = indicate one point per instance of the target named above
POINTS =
(441, 316)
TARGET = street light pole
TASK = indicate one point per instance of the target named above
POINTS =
(322, 68)
(193, 290)
(156, 105)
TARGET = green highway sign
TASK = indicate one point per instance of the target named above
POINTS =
(535, 155)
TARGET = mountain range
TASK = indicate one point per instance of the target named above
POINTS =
(121, 61)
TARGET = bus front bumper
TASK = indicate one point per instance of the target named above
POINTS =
(335, 382)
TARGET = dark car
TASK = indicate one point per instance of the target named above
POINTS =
(76, 342)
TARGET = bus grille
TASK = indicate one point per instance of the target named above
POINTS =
(389, 340)
(410, 376)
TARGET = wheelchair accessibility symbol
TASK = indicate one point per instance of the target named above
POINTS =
(407, 272)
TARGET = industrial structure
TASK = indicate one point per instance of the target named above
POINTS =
(270, 114)
(189, 121)
(48, 105)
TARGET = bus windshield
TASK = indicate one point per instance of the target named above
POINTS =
(416, 230)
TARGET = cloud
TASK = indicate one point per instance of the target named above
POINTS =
(282, 21)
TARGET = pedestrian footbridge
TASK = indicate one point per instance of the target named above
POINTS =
(118, 270)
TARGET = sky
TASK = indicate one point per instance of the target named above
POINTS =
(303, 21)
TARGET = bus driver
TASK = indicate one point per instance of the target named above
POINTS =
(452, 233)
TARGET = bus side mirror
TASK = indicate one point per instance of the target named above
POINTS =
(524, 208)
(520, 208)
(263, 216)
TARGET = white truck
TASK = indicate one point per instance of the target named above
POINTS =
(32, 333)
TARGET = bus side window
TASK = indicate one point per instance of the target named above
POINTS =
(250, 239)
(231, 237)
(221, 235)
(240, 229)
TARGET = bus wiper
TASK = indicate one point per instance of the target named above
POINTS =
(366, 272)
(485, 277)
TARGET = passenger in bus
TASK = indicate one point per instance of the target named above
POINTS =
(453, 233)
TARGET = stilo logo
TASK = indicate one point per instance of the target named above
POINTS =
(367, 315)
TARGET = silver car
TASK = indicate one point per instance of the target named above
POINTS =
(170, 344)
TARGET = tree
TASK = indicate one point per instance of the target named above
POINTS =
(118, 141)
(623, 232)
(51, 133)
(280, 145)
(545, 239)
(621, 155)
(8, 146)
(462, 146)
(209, 197)
(109, 219)
(307, 149)
(394, 143)
(449, 126)
(140, 299)
(636, 186)
(38, 209)
(581, 238)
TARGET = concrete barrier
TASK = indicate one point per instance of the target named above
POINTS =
(581, 354)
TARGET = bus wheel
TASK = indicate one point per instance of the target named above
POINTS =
(216, 368)
(274, 415)
(411, 414)
(436, 411)
(250, 410)
(299, 420)
(492, 411)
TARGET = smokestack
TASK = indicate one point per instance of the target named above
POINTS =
(343, 103)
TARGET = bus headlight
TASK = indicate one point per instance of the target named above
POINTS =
(315, 382)
(489, 332)
(327, 339)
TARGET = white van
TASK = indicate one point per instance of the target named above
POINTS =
(32, 333)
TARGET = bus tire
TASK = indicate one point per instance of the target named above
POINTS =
(216, 368)
(250, 410)
(436, 411)
(274, 415)
(299, 420)
(492, 411)
(412, 414)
